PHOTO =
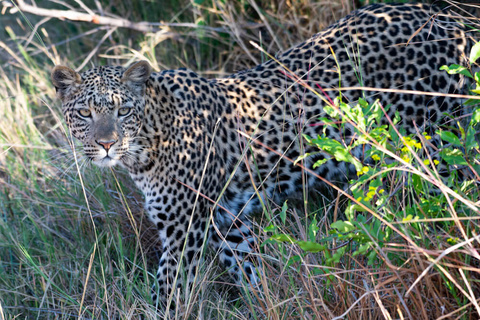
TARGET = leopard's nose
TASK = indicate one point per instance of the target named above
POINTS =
(106, 144)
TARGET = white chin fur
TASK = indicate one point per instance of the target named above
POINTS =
(105, 162)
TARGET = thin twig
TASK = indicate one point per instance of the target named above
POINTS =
(94, 51)
(86, 17)
(102, 20)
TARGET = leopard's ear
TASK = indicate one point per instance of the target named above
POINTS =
(65, 80)
(136, 76)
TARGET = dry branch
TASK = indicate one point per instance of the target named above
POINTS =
(85, 17)
(97, 19)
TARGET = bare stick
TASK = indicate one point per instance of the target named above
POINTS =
(86, 17)
(98, 19)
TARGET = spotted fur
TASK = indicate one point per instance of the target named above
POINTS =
(183, 133)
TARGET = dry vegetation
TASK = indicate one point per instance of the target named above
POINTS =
(74, 241)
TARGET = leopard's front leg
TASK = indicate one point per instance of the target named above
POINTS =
(181, 227)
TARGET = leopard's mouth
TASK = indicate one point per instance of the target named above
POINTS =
(105, 162)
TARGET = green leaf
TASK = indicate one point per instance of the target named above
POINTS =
(475, 123)
(397, 119)
(337, 255)
(362, 102)
(283, 213)
(470, 141)
(303, 156)
(456, 69)
(313, 229)
(476, 127)
(362, 249)
(450, 137)
(472, 102)
(476, 167)
(361, 218)
(334, 148)
(270, 228)
(317, 271)
(342, 155)
(319, 163)
(293, 259)
(358, 208)
(476, 116)
(310, 246)
(282, 238)
(376, 111)
(453, 156)
(475, 53)
(371, 257)
(343, 226)
(331, 111)
(417, 183)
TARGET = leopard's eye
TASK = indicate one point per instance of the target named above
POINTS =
(123, 111)
(86, 113)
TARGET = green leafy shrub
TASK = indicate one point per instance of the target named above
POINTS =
(398, 198)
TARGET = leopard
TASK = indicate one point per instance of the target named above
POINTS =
(207, 154)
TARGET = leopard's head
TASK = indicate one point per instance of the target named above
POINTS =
(104, 108)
